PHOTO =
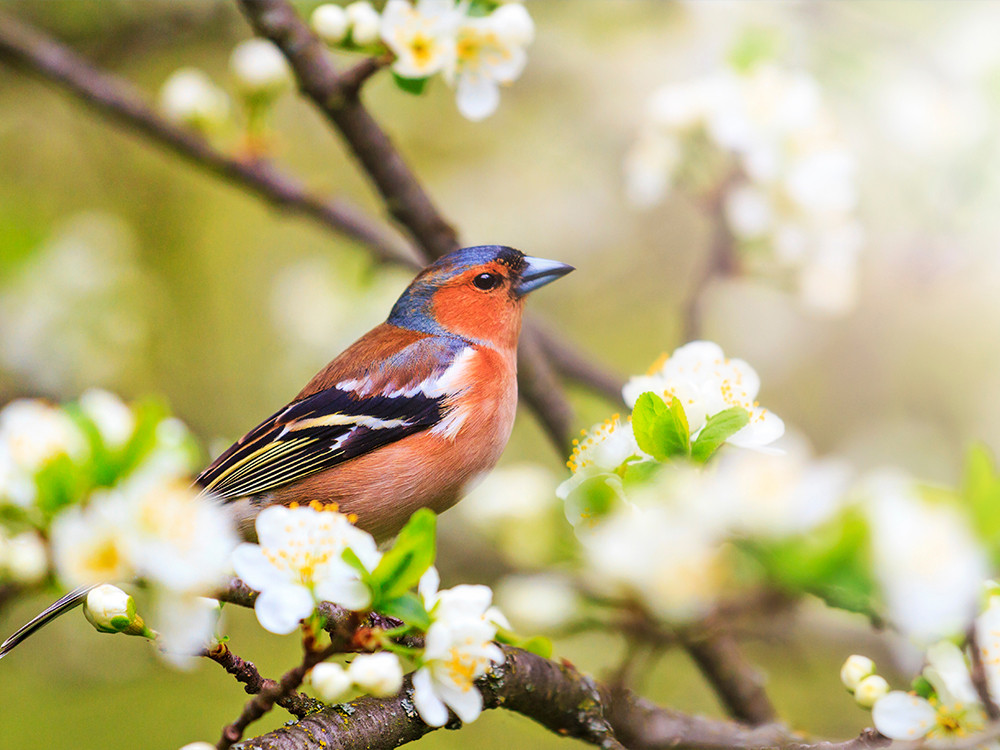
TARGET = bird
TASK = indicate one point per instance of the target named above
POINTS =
(406, 417)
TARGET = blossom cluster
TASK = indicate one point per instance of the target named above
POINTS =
(762, 139)
(100, 488)
(476, 47)
(944, 702)
(306, 555)
(698, 492)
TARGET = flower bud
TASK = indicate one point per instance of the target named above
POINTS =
(201, 745)
(259, 68)
(870, 689)
(365, 22)
(330, 23)
(513, 24)
(855, 669)
(330, 681)
(111, 610)
(377, 674)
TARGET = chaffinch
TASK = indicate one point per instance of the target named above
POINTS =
(409, 413)
(402, 419)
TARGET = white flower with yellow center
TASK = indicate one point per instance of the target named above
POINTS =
(91, 545)
(179, 540)
(458, 650)
(706, 382)
(651, 556)
(927, 560)
(599, 455)
(33, 433)
(422, 37)
(954, 711)
(299, 562)
(489, 51)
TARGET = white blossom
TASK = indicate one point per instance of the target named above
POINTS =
(422, 36)
(23, 557)
(649, 555)
(330, 681)
(540, 602)
(706, 382)
(185, 626)
(112, 416)
(299, 562)
(955, 712)
(489, 51)
(259, 68)
(92, 545)
(458, 649)
(330, 23)
(927, 560)
(378, 674)
(774, 495)
(190, 97)
(598, 457)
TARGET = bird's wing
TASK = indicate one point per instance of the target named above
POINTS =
(400, 396)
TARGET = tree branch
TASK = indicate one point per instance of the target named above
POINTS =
(253, 683)
(739, 686)
(402, 193)
(24, 47)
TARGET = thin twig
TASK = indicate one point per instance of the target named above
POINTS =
(569, 363)
(355, 77)
(245, 672)
(28, 48)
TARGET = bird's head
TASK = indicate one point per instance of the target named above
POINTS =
(476, 292)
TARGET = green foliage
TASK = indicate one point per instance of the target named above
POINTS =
(755, 45)
(661, 430)
(718, 428)
(831, 562)
(400, 570)
(981, 494)
(410, 557)
(537, 644)
(414, 86)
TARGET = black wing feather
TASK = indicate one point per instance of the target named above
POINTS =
(315, 434)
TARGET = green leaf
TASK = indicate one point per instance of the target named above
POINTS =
(661, 430)
(400, 568)
(831, 562)
(414, 86)
(350, 557)
(981, 493)
(409, 608)
(718, 428)
(536, 644)
(755, 46)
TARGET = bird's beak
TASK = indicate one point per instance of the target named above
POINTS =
(538, 272)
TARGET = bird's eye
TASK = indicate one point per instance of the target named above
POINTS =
(486, 281)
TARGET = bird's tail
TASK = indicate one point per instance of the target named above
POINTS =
(73, 599)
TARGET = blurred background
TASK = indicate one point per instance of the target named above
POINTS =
(124, 268)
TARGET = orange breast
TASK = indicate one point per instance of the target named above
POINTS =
(427, 469)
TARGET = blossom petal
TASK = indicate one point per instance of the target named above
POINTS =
(430, 707)
(280, 608)
(352, 594)
(254, 569)
(466, 701)
(901, 716)
(477, 96)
